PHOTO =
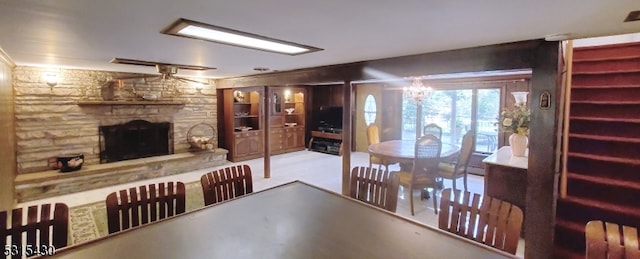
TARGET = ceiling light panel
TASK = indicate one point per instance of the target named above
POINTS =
(208, 32)
(633, 16)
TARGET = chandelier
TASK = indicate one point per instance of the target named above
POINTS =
(417, 91)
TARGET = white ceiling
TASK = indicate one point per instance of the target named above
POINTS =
(88, 34)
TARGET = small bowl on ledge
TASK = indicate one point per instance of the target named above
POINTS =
(290, 110)
(70, 163)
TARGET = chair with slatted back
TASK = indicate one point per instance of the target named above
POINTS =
(375, 187)
(226, 183)
(373, 137)
(604, 240)
(46, 226)
(423, 173)
(144, 204)
(433, 129)
(487, 220)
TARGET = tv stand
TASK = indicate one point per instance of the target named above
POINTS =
(326, 142)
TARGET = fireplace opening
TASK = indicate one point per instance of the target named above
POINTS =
(135, 139)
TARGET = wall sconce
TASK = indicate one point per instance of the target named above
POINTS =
(197, 86)
(51, 79)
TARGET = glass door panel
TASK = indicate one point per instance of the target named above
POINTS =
(487, 113)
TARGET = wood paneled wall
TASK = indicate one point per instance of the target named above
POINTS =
(7, 138)
(359, 125)
(538, 55)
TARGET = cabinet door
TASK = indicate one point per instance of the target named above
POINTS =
(299, 137)
(276, 141)
(276, 101)
(289, 138)
(241, 147)
(255, 144)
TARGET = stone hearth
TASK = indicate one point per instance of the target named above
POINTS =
(52, 183)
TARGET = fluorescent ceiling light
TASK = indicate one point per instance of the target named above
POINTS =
(198, 30)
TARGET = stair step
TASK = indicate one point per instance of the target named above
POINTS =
(606, 66)
(605, 128)
(603, 180)
(635, 162)
(624, 150)
(613, 111)
(614, 171)
(605, 138)
(605, 119)
(611, 79)
(563, 253)
(631, 102)
(617, 51)
(570, 236)
(604, 95)
(601, 189)
(583, 210)
(605, 86)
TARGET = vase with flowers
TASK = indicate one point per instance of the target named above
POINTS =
(517, 121)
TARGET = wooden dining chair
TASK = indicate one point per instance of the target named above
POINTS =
(375, 187)
(373, 137)
(144, 204)
(459, 169)
(605, 240)
(226, 183)
(423, 173)
(433, 129)
(487, 220)
(46, 226)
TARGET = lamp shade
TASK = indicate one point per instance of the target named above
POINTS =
(520, 97)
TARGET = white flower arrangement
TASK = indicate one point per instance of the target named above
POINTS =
(516, 120)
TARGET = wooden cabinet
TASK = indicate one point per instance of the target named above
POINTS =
(326, 142)
(242, 125)
(287, 119)
(243, 116)
(247, 144)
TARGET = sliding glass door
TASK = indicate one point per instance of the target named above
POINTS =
(456, 112)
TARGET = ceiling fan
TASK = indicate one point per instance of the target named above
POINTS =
(166, 72)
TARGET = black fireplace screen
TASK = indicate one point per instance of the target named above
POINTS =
(135, 139)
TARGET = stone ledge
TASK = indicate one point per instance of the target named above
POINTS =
(51, 183)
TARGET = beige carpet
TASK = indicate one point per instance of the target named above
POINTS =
(89, 221)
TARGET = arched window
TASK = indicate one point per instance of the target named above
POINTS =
(369, 110)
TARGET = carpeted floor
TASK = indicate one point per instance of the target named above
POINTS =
(89, 221)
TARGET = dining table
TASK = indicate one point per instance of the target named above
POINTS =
(293, 220)
(403, 151)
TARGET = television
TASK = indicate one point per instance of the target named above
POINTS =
(330, 117)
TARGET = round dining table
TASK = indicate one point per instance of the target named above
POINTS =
(403, 151)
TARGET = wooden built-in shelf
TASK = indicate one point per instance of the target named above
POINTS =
(89, 103)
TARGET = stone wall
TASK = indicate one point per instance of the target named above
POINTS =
(49, 121)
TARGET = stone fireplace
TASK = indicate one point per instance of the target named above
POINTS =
(123, 139)
(135, 139)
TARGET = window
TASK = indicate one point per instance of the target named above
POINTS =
(369, 110)
(453, 111)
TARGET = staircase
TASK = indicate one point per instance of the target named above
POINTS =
(603, 178)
